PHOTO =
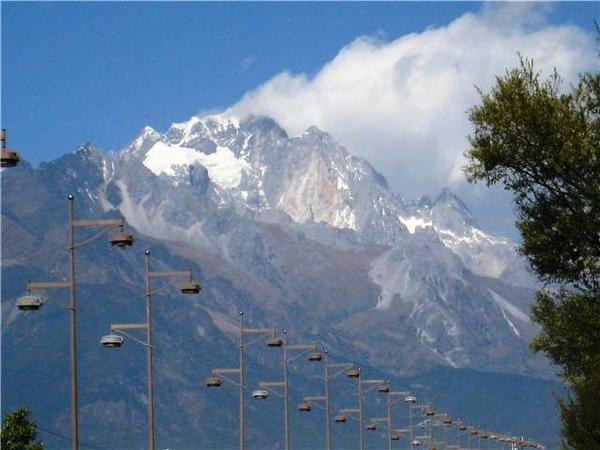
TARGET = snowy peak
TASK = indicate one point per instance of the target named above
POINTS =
(251, 166)
(263, 126)
(256, 167)
(449, 212)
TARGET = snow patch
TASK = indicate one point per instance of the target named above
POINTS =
(510, 324)
(224, 169)
(413, 222)
(477, 236)
(509, 307)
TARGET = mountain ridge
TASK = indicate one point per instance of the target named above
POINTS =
(294, 231)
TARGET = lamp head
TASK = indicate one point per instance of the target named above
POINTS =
(410, 399)
(384, 387)
(121, 239)
(353, 373)
(315, 356)
(112, 341)
(260, 394)
(213, 382)
(274, 342)
(29, 302)
(191, 288)
(9, 157)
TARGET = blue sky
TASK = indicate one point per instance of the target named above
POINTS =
(389, 80)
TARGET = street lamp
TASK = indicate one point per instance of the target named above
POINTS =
(429, 412)
(351, 372)
(382, 386)
(410, 400)
(460, 427)
(437, 420)
(472, 431)
(9, 157)
(115, 341)
(28, 302)
(390, 402)
(215, 381)
(447, 421)
(312, 356)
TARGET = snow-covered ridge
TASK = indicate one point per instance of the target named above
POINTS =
(312, 179)
(224, 169)
(210, 125)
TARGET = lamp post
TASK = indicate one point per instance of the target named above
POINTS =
(313, 356)
(447, 421)
(351, 372)
(8, 157)
(390, 402)
(429, 412)
(119, 239)
(410, 400)
(460, 426)
(382, 386)
(112, 340)
(472, 431)
(273, 341)
(215, 381)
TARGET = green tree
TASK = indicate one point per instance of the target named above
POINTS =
(543, 146)
(19, 432)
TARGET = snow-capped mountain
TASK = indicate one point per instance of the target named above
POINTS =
(214, 182)
(254, 168)
(295, 231)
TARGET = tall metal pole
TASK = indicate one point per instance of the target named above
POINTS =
(327, 425)
(73, 338)
(360, 414)
(285, 392)
(410, 426)
(389, 419)
(151, 432)
(242, 383)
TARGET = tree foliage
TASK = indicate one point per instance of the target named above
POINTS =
(580, 425)
(543, 146)
(19, 432)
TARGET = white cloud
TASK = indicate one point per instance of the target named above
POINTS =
(402, 104)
